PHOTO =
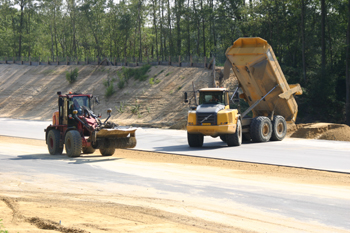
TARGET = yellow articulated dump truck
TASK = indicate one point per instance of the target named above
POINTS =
(262, 85)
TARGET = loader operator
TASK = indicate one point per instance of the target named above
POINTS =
(74, 105)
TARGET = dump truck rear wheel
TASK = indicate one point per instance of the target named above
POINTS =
(53, 142)
(107, 151)
(73, 143)
(279, 128)
(223, 138)
(235, 139)
(88, 150)
(195, 140)
(261, 129)
(246, 137)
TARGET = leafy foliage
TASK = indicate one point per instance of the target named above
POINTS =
(72, 75)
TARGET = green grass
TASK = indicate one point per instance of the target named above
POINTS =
(2, 228)
(138, 73)
(153, 81)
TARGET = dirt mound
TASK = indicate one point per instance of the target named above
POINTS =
(325, 131)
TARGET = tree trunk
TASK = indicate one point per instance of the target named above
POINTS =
(203, 29)
(323, 35)
(155, 26)
(303, 38)
(22, 3)
(347, 106)
(170, 34)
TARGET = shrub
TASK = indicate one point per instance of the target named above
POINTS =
(121, 83)
(72, 75)
(110, 90)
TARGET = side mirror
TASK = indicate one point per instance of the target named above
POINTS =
(109, 111)
(59, 93)
(186, 100)
(96, 100)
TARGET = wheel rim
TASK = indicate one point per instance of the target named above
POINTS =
(265, 130)
(280, 128)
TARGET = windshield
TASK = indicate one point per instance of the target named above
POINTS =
(77, 102)
(215, 97)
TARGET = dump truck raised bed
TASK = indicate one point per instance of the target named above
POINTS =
(264, 88)
(81, 131)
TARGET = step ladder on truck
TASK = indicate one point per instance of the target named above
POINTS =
(263, 86)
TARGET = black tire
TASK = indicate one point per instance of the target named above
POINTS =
(53, 142)
(261, 129)
(195, 140)
(235, 139)
(107, 151)
(246, 137)
(223, 138)
(279, 128)
(88, 150)
(73, 143)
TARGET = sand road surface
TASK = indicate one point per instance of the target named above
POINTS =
(126, 193)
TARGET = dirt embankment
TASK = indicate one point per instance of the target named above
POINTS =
(29, 92)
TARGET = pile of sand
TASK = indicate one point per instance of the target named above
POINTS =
(325, 131)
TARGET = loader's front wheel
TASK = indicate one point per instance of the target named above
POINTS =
(53, 142)
(73, 143)
(261, 129)
(279, 128)
(107, 151)
(88, 150)
(236, 138)
(195, 140)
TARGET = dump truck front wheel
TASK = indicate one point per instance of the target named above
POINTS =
(53, 142)
(107, 151)
(235, 139)
(73, 143)
(195, 140)
(261, 129)
(223, 138)
(279, 128)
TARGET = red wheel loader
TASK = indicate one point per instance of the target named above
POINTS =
(81, 131)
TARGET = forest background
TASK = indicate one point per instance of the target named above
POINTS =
(310, 37)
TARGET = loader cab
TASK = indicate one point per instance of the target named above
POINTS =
(70, 102)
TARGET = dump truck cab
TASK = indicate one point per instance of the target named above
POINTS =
(213, 117)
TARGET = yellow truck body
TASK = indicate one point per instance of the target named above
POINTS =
(265, 88)
(258, 71)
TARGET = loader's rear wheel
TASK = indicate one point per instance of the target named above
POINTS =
(261, 129)
(235, 139)
(107, 151)
(73, 143)
(223, 138)
(279, 128)
(195, 140)
(53, 142)
(88, 150)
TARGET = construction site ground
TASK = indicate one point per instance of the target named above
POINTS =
(40, 203)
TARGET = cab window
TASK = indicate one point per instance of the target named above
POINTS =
(211, 97)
